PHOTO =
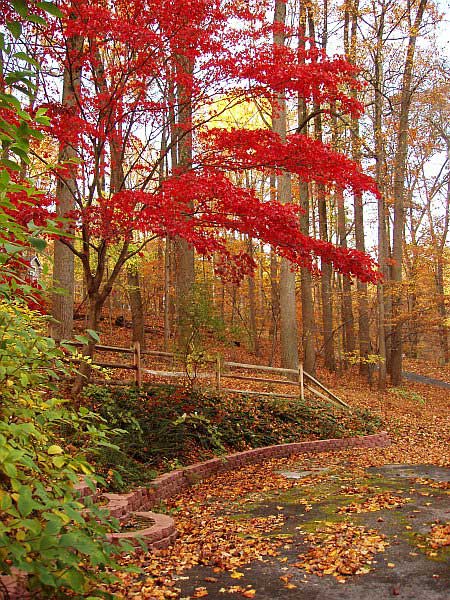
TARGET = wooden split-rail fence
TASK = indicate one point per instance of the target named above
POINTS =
(219, 371)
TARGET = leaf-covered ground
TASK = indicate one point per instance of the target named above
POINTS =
(258, 533)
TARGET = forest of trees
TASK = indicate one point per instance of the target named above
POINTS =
(177, 130)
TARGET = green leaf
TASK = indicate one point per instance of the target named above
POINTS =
(25, 503)
(24, 379)
(38, 243)
(24, 56)
(74, 580)
(10, 164)
(94, 335)
(75, 515)
(55, 450)
(59, 461)
(10, 470)
(36, 19)
(11, 248)
(45, 576)
(32, 525)
(20, 6)
(5, 501)
(50, 8)
(15, 28)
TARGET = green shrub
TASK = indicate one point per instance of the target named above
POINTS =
(164, 424)
(44, 530)
(407, 394)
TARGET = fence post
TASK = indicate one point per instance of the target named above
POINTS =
(218, 372)
(137, 364)
(301, 381)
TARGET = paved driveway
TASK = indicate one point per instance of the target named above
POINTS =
(411, 567)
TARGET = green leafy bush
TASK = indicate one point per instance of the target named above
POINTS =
(407, 394)
(164, 423)
(44, 530)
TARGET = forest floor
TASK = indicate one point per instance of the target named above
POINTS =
(352, 524)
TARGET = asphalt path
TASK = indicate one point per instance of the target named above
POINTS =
(405, 570)
(415, 378)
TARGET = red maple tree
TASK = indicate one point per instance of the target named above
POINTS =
(147, 71)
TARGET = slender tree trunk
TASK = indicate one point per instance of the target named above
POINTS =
(350, 42)
(439, 245)
(275, 304)
(347, 308)
(398, 193)
(326, 296)
(98, 291)
(308, 319)
(136, 304)
(167, 300)
(363, 302)
(288, 312)
(382, 300)
(442, 310)
(253, 331)
(63, 257)
(183, 251)
(274, 287)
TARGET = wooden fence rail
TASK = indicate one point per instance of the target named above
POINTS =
(220, 370)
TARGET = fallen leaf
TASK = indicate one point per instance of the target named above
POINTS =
(236, 575)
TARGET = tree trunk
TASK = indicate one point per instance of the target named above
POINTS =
(350, 43)
(63, 257)
(288, 312)
(347, 308)
(439, 245)
(308, 320)
(93, 316)
(398, 193)
(326, 297)
(167, 296)
(275, 304)
(136, 304)
(442, 309)
(183, 251)
(363, 302)
(253, 331)
(383, 307)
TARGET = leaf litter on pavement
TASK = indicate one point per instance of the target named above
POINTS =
(215, 531)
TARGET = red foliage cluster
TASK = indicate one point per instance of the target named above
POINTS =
(310, 159)
(198, 204)
(136, 58)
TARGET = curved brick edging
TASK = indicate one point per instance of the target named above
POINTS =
(159, 535)
(162, 533)
(169, 484)
(121, 506)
